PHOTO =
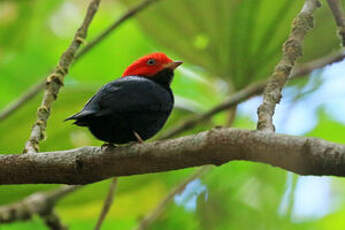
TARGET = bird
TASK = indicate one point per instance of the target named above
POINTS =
(134, 107)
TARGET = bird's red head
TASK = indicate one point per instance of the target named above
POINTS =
(150, 65)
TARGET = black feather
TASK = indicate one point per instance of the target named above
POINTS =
(127, 105)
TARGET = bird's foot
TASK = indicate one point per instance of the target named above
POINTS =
(139, 139)
(107, 146)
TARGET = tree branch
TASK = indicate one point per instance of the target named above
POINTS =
(302, 155)
(235, 99)
(41, 203)
(28, 95)
(55, 81)
(306, 68)
(339, 17)
(292, 49)
(107, 203)
(52, 220)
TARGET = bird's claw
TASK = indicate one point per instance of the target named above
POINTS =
(107, 146)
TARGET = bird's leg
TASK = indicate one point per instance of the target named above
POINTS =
(105, 146)
(139, 139)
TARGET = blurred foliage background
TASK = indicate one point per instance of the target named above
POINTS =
(227, 45)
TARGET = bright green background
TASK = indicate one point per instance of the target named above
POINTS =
(226, 45)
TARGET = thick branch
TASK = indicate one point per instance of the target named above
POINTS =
(292, 49)
(40, 203)
(55, 81)
(303, 155)
(339, 17)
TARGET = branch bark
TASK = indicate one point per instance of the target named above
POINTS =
(292, 50)
(339, 17)
(302, 155)
(55, 81)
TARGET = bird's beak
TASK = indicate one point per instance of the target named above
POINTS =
(173, 65)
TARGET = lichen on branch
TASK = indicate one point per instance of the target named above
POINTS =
(55, 80)
(292, 50)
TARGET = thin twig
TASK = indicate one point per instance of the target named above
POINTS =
(55, 81)
(11, 108)
(339, 17)
(304, 69)
(52, 220)
(107, 203)
(147, 220)
(28, 95)
(292, 49)
(235, 99)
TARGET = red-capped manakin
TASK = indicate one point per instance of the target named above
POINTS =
(134, 107)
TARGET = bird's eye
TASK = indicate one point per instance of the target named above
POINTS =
(151, 61)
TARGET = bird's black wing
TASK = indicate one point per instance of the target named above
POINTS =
(127, 95)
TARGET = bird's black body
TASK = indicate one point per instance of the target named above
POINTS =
(127, 105)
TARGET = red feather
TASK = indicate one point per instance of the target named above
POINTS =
(141, 67)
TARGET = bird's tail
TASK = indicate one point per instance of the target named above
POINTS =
(80, 118)
(73, 117)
